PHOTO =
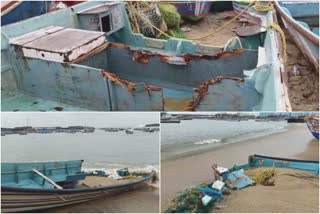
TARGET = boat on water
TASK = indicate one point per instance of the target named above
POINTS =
(43, 185)
(313, 125)
(128, 131)
(301, 19)
(86, 57)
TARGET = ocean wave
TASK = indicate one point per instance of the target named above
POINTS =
(208, 141)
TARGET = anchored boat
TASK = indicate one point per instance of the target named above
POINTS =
(42, 185)
(301, 19)
(86, 57)
(313, 125)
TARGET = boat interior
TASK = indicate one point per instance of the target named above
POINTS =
(87, 58)
(57, 175)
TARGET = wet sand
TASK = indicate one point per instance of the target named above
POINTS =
(182, 173)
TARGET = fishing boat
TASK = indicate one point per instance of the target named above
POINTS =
(313, 125)
(301, 19)
(86, 57)
(258, 161)
(128, 131)
(43, 185)
(15, 11)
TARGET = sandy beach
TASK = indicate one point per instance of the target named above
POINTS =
(186, 172)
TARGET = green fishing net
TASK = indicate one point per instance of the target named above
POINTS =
(190, 202)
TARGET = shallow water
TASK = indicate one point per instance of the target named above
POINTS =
(193, 135)
(98, 150)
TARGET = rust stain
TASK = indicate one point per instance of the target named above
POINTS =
(125, 83)
(202, 90)
(176, 105)
(144, 57)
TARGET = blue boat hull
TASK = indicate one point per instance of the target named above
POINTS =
(25, 10)
(256, 161)
(315, 134)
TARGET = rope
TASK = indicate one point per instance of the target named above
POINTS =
(203, 37)
(263, 8)
(283, 39)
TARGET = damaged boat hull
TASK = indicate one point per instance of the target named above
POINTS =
(128, 72)
(23, 190)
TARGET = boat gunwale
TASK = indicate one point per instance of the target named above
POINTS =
(71, 191)
(299, 28)
(285, 159)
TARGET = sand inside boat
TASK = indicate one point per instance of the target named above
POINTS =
(211, 23)
(98, 181)
(294, 191)
(303, 86)
(303, 80)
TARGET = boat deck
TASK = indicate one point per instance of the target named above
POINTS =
(23, 102)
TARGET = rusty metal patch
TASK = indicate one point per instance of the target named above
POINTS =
(202, 90)
(144, 57)
(125, 83)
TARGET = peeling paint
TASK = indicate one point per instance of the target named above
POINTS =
(144, 57)
(202, 90)
(125, 83)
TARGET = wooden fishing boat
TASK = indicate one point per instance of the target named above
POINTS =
(35, 186)
(86, 57)
(313, 125)
(235, 176)
(301, 19)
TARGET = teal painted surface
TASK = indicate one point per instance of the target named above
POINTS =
(82, 86)
(264, 161)
(305, 9)
(21, 174)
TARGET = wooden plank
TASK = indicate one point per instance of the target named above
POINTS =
(47, 179)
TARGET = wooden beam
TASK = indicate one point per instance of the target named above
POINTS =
(47, 179)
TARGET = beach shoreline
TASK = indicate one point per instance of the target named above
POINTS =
(184, 172)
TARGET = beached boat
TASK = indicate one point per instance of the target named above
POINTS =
(42, 185)
(301, 19)
(15, 11)
(258, 161)
(313, 125)
(87, 58)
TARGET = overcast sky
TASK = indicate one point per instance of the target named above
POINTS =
(69, 119)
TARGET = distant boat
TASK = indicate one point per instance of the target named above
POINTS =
(313, 125)
(129, 131)
(43, 185)
(301, 19)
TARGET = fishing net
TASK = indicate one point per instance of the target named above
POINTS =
(145, 18)
(190, 202)
(262, 176)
